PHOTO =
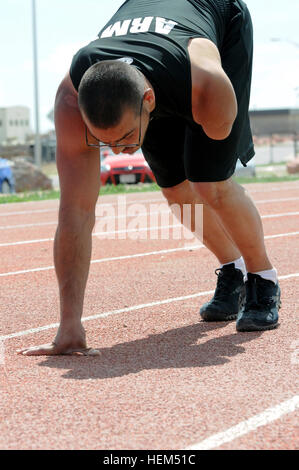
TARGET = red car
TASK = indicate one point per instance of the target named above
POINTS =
(125, 169)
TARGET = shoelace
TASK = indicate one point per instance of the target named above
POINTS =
(223, 286)
(255, 296)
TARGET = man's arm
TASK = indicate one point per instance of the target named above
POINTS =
(79, 175)
(214, 104)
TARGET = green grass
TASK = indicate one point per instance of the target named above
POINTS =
(105, 190)
(125, 189)
(268, 179)
(261, 165)
(129, 188)
(29, 196)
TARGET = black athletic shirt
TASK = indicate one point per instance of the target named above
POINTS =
(153, 36)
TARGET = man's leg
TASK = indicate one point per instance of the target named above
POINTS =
(230, 291)
(215, 238)
(164, 155)
(242, 221)
(240, 218)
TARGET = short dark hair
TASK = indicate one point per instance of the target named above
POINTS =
(108, 88)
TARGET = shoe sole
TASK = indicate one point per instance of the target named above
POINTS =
(220, 318)
(258, 328)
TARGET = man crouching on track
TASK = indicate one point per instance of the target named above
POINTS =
(173, 78)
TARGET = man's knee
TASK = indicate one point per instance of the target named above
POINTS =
(179, 194)
(171, 194)
(214, 194)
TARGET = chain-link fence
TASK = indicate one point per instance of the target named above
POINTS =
(276, 148)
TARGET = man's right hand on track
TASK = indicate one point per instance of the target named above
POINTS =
(68, 340)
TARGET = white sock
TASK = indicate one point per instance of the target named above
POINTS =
(239, 264)
(269, 274)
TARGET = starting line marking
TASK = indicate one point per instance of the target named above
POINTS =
(124, 310)
(261, 419)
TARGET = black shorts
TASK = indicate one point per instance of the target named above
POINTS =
(177, 149)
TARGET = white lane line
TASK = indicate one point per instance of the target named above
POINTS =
(137, 255)
(27, 242)
(133, 201)
(96, 234)
(295, 187)
(42, 224)
(282, 187)
(101, 204)
(285, 199)
(283, 214)
(290, 234)
(115, 258)
(124, 310)
(133, 230)
(35, 211)
(124, 216)
(107, 314)
(251, 424)
(26, 271)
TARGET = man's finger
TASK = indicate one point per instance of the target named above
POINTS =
(93, 352)
(38, 352)
(52, 351)
(86, 352)
(41, 347)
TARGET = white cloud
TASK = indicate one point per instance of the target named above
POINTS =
(52, 69)
(59, 60)
(275, 75)
(1, 92)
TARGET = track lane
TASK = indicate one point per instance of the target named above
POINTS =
(116, 285)
(26, 255)
(278, 435)
(154, 384)
(21, 259)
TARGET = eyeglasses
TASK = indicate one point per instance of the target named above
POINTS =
(102, 144)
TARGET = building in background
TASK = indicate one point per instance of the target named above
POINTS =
(274, 121)
(14, 125)
(275, 134)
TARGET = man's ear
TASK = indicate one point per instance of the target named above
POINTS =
(149, 97)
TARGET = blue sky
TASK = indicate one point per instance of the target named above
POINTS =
(66, 25)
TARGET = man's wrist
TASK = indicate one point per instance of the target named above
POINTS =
(70, 320)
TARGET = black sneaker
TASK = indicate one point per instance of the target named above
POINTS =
(229, 295)
(261, 307)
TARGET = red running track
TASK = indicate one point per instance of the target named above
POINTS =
(164, 379)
